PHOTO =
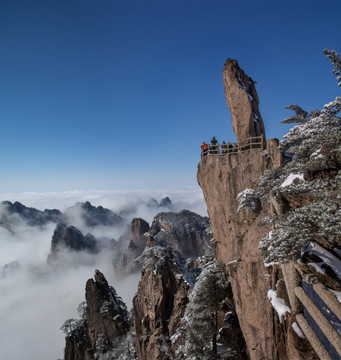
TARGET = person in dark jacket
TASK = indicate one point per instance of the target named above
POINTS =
(214, 145)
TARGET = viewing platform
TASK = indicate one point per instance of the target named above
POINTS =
(253, 143)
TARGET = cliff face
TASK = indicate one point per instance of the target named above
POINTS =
(268, 334)
(70, 238)
(135, 236)
(185, 232)
(237, 235)
(236, 243)
(242, 100)
(103, 331)
(159, 304)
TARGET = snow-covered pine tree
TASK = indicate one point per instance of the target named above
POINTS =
(313, 175)
(201, 312)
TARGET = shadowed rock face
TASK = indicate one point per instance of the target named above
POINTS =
(32, 216)
(105, 313)
(105, 325)
(135, 236)
(186, 232)
(159, 304)
(70, 238)
(242, 100)
(94, 216)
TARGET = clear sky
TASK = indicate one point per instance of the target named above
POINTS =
(106, 94)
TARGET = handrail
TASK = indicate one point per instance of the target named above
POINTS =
(235, 147)
(317, 307)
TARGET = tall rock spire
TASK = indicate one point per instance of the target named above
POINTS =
(242, 100)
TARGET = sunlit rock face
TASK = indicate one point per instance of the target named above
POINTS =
(237, 237)
(242, 100)
(237, 234)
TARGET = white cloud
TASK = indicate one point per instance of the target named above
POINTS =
(35, 300)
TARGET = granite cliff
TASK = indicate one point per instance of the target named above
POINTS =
(237, 234)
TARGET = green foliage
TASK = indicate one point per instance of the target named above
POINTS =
(319, 221)
(300, 118)
(335, 60)
(316, 141)
(201, 312)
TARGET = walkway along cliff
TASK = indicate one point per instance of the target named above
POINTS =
(222, 176)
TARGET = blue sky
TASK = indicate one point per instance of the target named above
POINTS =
(113, 94)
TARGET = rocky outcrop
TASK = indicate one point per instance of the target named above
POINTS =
(32, 216)
(186, 232)
(70, 238)
(236, 244)
(103, 331)
(237, 234)
(94, 216)
(242, 100)
(135, 235)
(160, 303)
(10, 268)
(165, 203)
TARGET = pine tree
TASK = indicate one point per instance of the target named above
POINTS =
(201, 312)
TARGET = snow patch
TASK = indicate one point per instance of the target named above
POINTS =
(327, 257)
(297, 330)
(278, 304)
(337, 294)
(318, 268)
(290, 179)
(232, 262)
(272, 263)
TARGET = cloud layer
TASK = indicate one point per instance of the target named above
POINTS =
(35, 299)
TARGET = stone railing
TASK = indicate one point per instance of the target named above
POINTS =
(253, 143)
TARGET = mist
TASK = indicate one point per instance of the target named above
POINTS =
(35, 297)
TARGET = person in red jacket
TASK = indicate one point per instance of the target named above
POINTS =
(204, 148)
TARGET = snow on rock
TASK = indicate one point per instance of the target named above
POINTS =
(297, 330)
(272, 263)
(327, 257)
(247, 199)
(291, 178)
(278, 304)
(337, 294)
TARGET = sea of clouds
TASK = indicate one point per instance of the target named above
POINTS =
(36, 298)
